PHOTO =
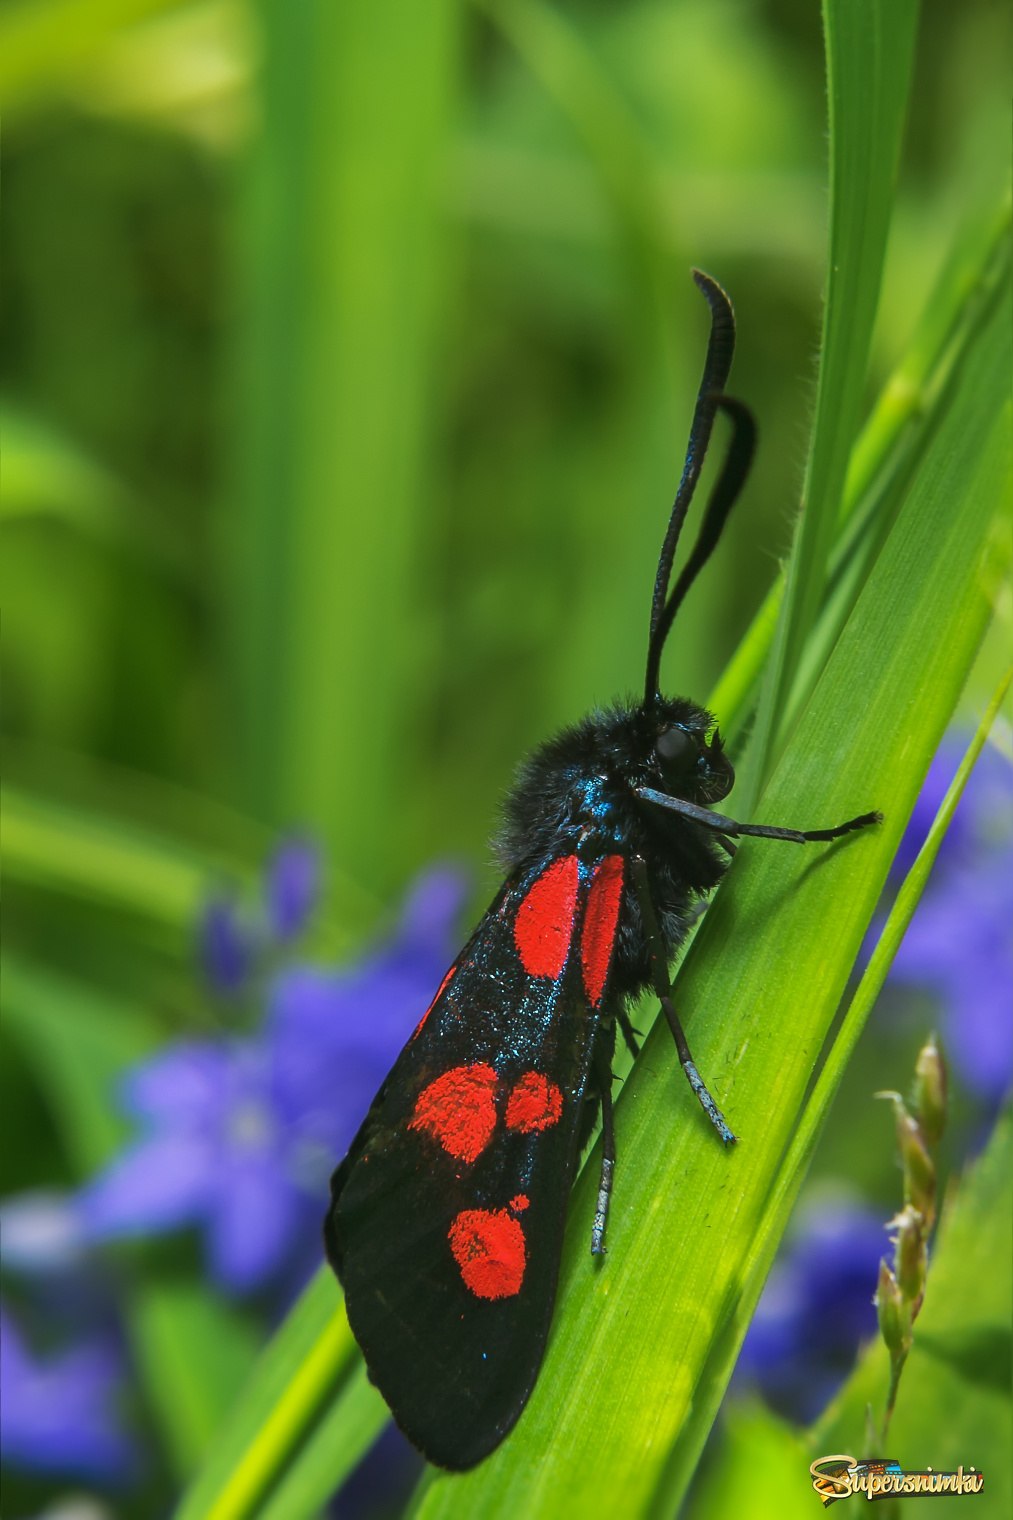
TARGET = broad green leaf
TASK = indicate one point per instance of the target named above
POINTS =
(870, 47)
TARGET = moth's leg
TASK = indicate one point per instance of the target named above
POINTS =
(722, 825)
(663, 988)
(629, 1034)
(603, 1076)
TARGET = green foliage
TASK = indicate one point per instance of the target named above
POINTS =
(869, 57)
(953, 1406)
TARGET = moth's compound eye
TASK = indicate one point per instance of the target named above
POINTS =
(676, 749)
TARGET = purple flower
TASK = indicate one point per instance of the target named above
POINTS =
(983, 818)
(240, 1135)
(335, 1035)
(42, 1234)
(230, 939)
(216, 1154)
(960, 942)
(58, 1414)
(815, 1309)
(225, 946)
(292, 887)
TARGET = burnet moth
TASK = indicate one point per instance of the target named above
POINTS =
(447, 1214)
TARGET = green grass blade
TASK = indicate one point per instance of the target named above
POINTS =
(333, 1450)
(956, 1408)
(142, 856)
(310, 1353)
(93, 856)
(869, 46)
(194, 1351)
(339, 275)
(978, 261)
(641, 1350)
(891, 447)
(900, 916)
(887, 452)
(623, 157)
(760, 1430)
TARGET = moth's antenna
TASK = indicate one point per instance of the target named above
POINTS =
(720, 502)
(720, 348)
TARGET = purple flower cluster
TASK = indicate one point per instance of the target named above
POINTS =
(230, 941)
(236, 1138)
(59, 1410)
(238, 1135)
(816, 1308)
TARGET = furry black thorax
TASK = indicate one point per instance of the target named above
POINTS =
(577, 791)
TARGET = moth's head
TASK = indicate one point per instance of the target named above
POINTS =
(688, 753)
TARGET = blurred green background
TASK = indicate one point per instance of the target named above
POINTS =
(348, 364)
(349, 355)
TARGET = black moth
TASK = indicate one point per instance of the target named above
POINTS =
(447, 1214)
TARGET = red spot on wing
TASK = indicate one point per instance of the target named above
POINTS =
(535, 1103)
(519, 1203)
(439, 993)
(488, 1246)
(600, 918)
(543, 926)
(459, 1110)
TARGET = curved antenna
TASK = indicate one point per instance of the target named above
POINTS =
(722, 499)
(720, 348)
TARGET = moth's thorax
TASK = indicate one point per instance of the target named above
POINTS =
(578, 792)
(581, 785)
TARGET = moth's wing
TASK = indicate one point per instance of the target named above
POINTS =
(447, 1214)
